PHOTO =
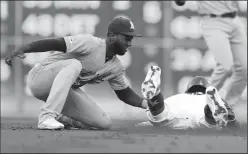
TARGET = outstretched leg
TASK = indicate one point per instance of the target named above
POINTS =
(217, 106)
(232, 122)
(217, 111)
(150, 89)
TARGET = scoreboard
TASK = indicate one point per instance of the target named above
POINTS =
(61, 18)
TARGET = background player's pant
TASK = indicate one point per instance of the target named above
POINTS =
(63, 99)
(219, 76)
(227, 41)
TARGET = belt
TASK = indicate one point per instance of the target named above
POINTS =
(225, 15)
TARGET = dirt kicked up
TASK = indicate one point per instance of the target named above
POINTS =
(22, 136)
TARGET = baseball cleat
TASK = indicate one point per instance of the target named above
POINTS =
(50, 124)
(217, 106)
(151, 83)
(231, 114)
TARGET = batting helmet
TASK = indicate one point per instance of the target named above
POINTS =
(197, 84)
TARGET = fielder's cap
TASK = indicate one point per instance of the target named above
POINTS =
(198, 84)
(123, 26)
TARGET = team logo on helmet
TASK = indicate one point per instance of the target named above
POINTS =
(132, 26)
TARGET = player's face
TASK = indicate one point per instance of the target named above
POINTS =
(119, 43)
(125, 42)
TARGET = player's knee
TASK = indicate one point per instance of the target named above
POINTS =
(72, 69)
(75, 65)
(105, 123)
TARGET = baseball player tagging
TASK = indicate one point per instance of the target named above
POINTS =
(82, 59)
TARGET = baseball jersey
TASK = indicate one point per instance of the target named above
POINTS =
(182, 111)
(217, 7)
(91, 52)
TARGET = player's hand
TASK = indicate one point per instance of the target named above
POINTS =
(75, 86)
(78, 83)
(8, 59)
(180, 2)
(145, 103)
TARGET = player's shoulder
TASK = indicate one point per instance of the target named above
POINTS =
(88, 38)
(96, 40)
(93, 39)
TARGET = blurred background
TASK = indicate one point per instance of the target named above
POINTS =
(171, 39)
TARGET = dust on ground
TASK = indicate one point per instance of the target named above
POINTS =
(20, 135)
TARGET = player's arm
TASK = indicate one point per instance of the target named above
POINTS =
(44, 45)
(76, 43)
(123, 91)
(56, 44)
(128, 96)
(180, 2)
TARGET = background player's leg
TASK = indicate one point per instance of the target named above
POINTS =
(219, 45)
(79, 106)
(219, 76)
(51, 84)
(237, 82)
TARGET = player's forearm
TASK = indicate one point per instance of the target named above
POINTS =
(128, 96)
(180, 2)
(43, 46)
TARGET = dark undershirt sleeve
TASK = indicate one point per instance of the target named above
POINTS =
(45, 45)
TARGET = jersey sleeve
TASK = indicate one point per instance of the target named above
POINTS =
(118, 82)
(80, 43)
